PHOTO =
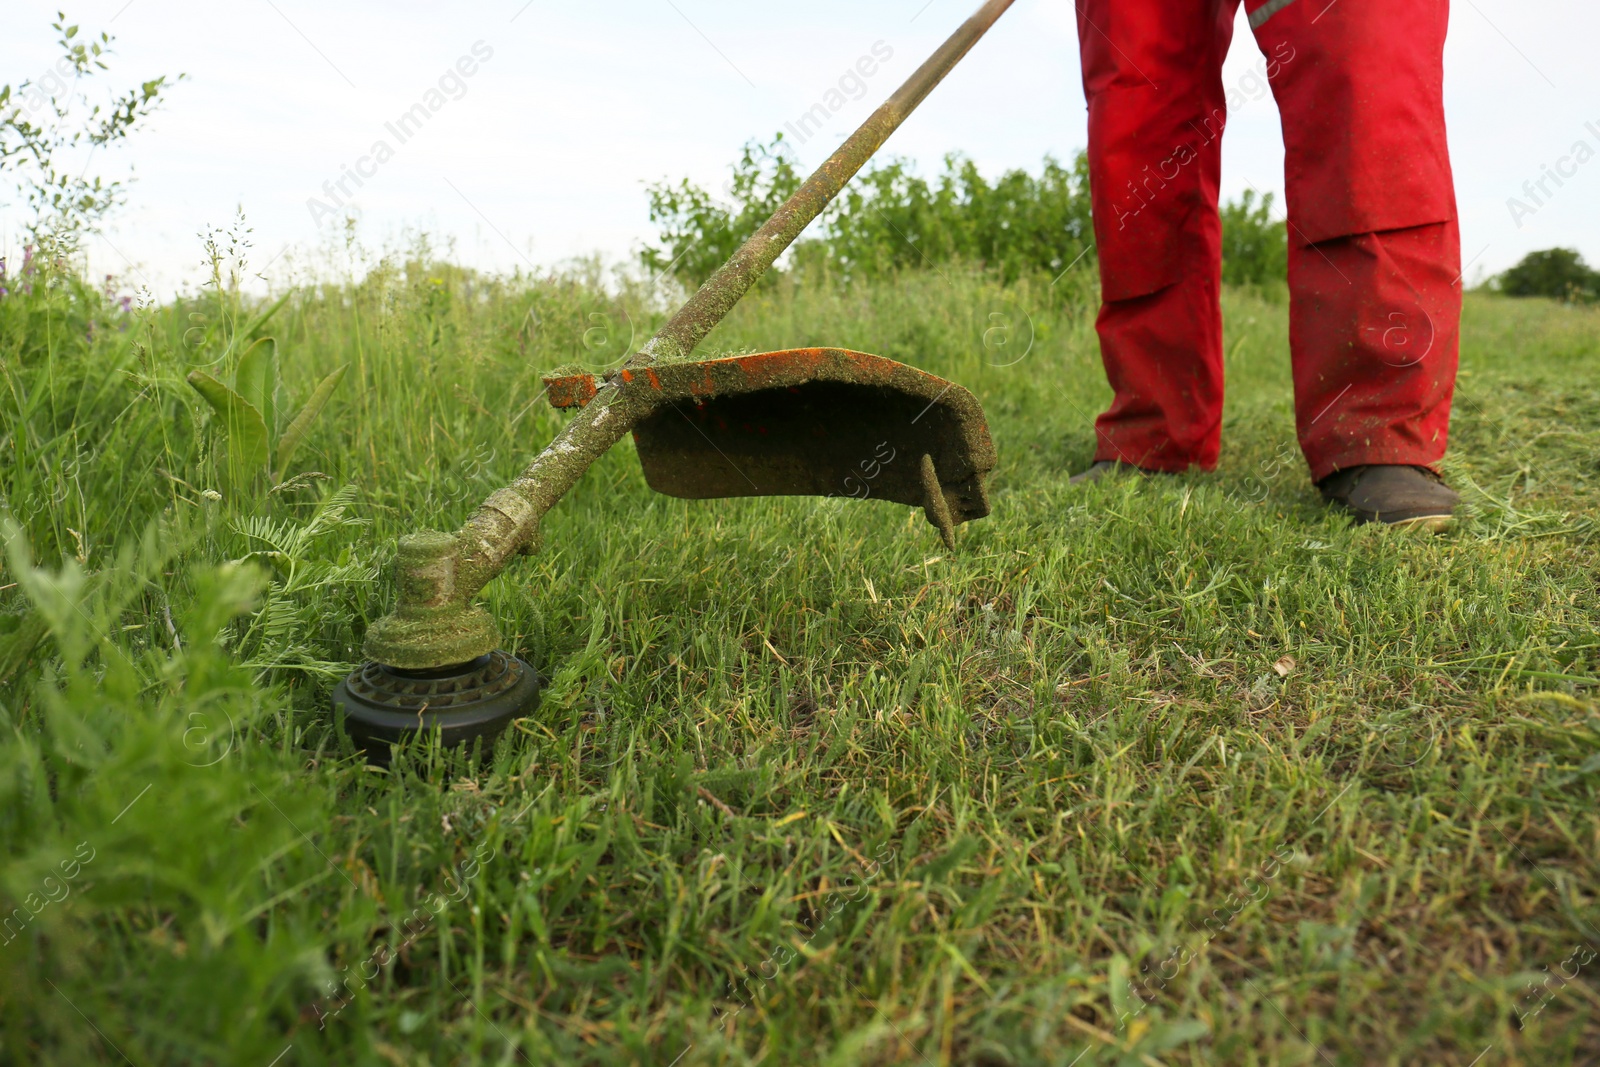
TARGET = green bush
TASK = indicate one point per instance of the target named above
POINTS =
(887, 219)
(700, 233)
(1255, 249)
(1558, 273)
(890, 218)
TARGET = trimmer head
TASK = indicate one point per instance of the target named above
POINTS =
(807, 422)
(384, 705)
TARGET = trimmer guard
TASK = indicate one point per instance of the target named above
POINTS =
(806, 422)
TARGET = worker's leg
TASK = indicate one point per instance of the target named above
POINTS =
(1374, 252)
(1152, 76)
(1374, 331)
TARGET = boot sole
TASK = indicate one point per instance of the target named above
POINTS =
(1436, 523)
(1431, 523)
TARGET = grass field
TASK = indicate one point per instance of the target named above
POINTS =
(1179, 771)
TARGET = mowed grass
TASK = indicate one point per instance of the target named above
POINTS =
(1173, 771)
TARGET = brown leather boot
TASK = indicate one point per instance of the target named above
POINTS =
(1394, 494)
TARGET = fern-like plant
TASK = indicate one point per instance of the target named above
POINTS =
(285, 634)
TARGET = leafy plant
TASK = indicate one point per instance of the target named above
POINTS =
(137, 803)
(41, 122)
(249, 408)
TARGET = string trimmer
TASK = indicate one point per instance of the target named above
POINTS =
(808, 421)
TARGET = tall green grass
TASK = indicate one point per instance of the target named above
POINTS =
(1184, 770)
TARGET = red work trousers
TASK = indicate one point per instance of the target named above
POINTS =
(1374, 250)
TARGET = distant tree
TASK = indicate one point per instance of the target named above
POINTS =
(1559, 273)
(48, 118)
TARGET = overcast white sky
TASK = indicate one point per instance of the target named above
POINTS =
(545, 154)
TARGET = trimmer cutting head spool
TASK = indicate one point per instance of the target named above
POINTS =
(384, 706)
